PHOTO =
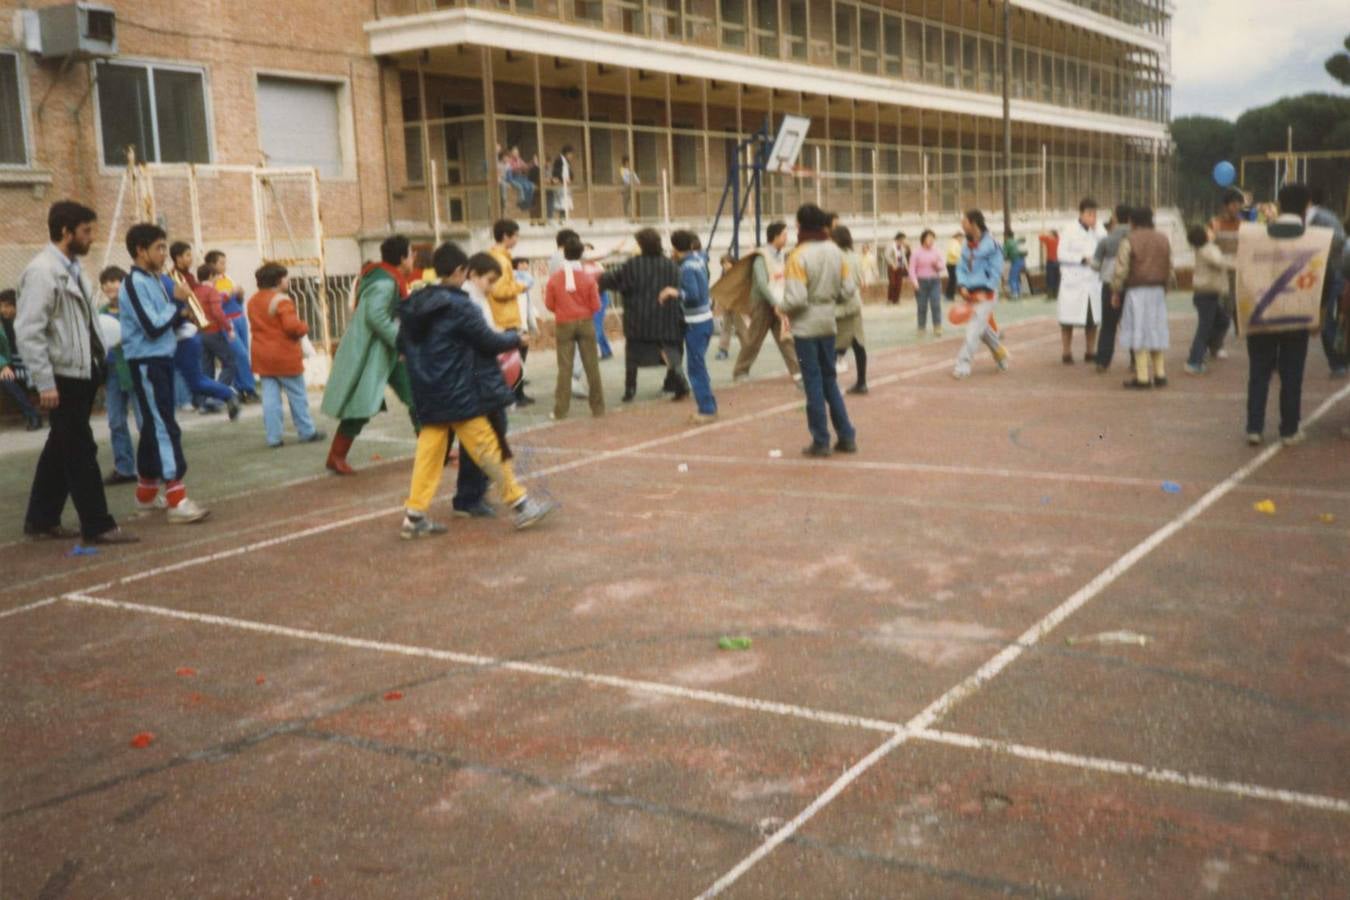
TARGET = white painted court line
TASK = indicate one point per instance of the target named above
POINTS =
(1115, 767)
(480, 661)
(28, 607)
(735, 701)
(920, 468)
(1032, 636)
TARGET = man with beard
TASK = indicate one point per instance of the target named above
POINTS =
(58, 339)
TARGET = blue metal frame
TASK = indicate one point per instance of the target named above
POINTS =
(761, 141)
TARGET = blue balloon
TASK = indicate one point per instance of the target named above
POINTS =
(1224, 174)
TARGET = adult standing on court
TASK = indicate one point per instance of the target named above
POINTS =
(58, 338)
(897, 267)
(1285, 352)
(367, 358)
(1139, 284)
(653, 331)
(1104, 261)
(1080, 286)
(817, 280)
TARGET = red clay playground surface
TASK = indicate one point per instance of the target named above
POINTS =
(1035, 639)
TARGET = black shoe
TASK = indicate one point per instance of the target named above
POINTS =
(118, 478)
(525, 400)
(315, 438)
(480, 510)
(818, 450)
(679, 395)
(859, 389)
(50, 533)
(627, 397)
(843, 446)
(1160, 382)
(35, 423)
(1137, 385)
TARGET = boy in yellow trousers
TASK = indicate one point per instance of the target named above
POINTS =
(457, 386)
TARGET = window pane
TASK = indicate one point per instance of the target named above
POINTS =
(300, 125)
(12, 151)
(180, 111)
(124, 111)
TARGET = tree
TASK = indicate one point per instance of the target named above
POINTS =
(1338, 64)
(1201, 142)
(1315, 119)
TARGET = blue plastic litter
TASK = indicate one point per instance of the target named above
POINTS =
(1171, 487)
(81, 550)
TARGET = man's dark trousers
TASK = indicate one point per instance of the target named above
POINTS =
(68, 466)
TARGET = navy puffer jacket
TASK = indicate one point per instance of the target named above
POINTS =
(451, 355)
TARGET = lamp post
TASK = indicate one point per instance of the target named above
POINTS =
(1007, 116)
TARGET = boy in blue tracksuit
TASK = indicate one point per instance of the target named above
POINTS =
(148, 315)
(978, 276)
(696, 304)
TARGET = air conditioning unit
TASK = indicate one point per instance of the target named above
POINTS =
(79, 30)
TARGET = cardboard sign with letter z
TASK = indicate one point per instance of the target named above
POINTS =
(1279, 280)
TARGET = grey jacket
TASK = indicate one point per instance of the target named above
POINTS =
(53, 326)
(817, 279)
(1104, 260)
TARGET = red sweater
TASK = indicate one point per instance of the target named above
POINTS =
(212, 302)
(567, 306)
(274, 335)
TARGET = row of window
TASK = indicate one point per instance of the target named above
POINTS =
(937, 42)
(162, 111)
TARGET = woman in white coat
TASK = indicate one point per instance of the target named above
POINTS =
(1080, 285)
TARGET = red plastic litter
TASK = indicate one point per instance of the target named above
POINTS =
(142, 740)
(187, 672)
(316, 881)
(261, 679)
(375, 457)
(394, 695)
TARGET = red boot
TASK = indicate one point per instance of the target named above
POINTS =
(337, 455)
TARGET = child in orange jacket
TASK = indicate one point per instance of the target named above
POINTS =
(277, 335)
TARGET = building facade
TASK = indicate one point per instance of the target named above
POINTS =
(400, 106)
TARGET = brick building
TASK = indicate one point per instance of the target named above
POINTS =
(903, 96)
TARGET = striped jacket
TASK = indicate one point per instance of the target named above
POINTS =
(640, 281)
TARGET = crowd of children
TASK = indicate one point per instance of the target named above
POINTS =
(452, 342)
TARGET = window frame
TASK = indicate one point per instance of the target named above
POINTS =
(21, 80)
(148, 66)
(346, 114)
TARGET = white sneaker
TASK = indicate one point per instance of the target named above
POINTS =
(529, 512)
(1253, 439)
(1221, 354)
(145, 509)
(1294, 439)
(842, 366)
(187, 512)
